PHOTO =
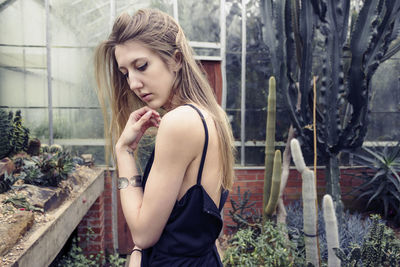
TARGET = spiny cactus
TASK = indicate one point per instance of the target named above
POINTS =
(5, 133)
(55, 148)
(20, 139)
(14, 137)
(275, 185)
(309, 194)
(381, 248)
(273, 169)
(331, 229)
(349, 62)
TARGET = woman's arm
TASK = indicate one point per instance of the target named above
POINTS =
(176, 146)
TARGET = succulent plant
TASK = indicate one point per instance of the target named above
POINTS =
(348, 63)
(273, 159)
(309, 194)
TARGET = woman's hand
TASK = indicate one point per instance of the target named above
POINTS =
(138, 122)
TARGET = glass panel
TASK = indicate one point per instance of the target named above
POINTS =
(35, 119)
(73, 78)
(23, 22)
(385, 86)
(96, 151)
(383, 126)
(79, 23)
(21, 86)
(78, 123)
(200, 19)
(131, 6)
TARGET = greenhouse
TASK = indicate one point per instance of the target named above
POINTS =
(310, 91)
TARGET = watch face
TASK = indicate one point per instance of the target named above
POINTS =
(122, 182)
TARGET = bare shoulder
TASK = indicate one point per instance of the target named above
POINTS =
(182, 121)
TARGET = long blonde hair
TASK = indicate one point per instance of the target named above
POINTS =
(162, 34)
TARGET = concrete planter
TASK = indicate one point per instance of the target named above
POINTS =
(43, 242)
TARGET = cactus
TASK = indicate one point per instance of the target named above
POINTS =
(348, 65)
(309, 194)
(55, 148)
(44, 148)
(14, 137)
(275, 185)
(20, 135)
(331, 229)
(381, 247)
(5, 133)
(272, 176)
(34, 147)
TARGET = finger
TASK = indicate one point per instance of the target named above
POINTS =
(154, 122)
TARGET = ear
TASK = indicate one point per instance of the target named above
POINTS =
(178, 60)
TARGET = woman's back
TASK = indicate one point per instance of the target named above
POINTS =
(188, 238)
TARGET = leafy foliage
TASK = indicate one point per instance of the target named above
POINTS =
(76, 257)
(381, 180)
(266, 247)
(380, 248)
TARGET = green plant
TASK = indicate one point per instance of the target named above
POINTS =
(116, 261)
(309, 194)
(266, 247)
(14, 137)
(76, 257)
(20, 202)
(380, 248)
(45, 170)
(5, 133)
(273, 159)
(349, 61)
(381, 180)
(242, 213)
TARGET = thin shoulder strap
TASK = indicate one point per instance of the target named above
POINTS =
(203, 156)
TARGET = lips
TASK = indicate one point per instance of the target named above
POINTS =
(145, 97)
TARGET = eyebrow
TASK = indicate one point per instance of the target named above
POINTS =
(133, 62)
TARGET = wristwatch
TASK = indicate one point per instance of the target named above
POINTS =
(135, 181)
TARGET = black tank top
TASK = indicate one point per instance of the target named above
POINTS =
(188, 238)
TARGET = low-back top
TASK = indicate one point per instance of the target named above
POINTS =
(188, 238)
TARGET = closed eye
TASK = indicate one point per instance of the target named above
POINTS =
(142, 67)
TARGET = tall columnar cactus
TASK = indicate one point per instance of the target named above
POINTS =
(309, 194)
(331, 229)
(348, 63)
(5, 133)
(272, 174)
(14, 137)
(275, 184)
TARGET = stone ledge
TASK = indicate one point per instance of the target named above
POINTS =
(42, 244)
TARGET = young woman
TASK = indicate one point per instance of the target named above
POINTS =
(173, 211)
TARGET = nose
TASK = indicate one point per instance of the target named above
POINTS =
(134, 82)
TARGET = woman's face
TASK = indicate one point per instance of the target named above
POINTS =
(147, 75)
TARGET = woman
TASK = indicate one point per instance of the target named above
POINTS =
(173, 213)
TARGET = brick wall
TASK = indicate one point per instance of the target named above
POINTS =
(99, 217)
(252, 180)
(97, 224)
